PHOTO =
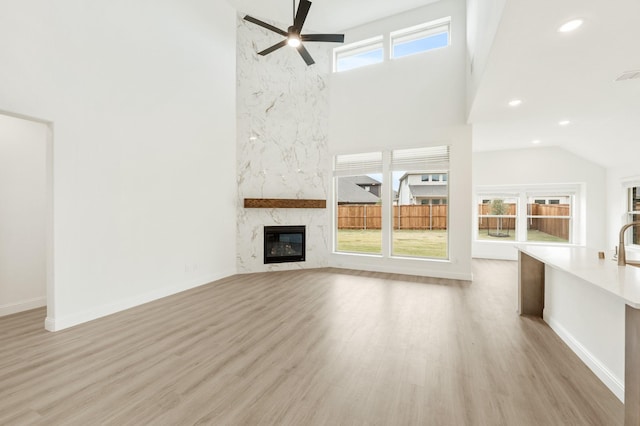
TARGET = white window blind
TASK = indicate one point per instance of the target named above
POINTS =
(431, 158)
(358, 164)
(421, 31)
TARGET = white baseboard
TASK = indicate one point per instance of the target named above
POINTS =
(25, 305)
(615, 384)
(60, 323)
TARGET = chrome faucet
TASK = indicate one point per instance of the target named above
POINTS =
(622, 256)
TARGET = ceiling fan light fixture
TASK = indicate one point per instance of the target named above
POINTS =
(293, 36)
(293, 41)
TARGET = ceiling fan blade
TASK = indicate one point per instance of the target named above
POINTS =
(265, 25)
(332, 38)
(305, 55)
(301, 14)
(272, 48)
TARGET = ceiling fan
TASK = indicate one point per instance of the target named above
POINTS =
(293, 35)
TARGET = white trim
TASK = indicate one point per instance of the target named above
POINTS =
(575, 191)
(630, 181)
(615, 384)
(419, 32)
(25, 305)
(57, 324)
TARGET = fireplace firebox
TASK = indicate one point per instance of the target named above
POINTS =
(284, 244)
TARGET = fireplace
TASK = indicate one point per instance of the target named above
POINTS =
(284, 244)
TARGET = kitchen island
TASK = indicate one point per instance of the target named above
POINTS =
(594, 306)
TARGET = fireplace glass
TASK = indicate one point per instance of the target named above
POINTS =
(284, 244)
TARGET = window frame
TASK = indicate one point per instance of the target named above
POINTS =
(533, 197)
(371, 44)
(629, 238)
(419, 32)
(424, 160)
(525, 192)
(489, 197)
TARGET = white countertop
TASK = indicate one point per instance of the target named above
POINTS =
(622, 281)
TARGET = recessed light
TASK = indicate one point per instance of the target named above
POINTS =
(253, 138)
(535, 142)
(564, 123)
(570, 26)
(515, 102)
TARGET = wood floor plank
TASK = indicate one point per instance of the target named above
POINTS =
(323, 346)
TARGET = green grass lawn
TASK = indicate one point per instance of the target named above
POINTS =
(431, 244)
(405, 242)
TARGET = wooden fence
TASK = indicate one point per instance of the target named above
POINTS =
(435, 217)
(493, 223)
(404, 217)
(552, 226)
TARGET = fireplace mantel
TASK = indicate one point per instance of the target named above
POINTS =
(283, 203)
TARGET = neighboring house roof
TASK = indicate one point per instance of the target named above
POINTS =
(349, 192)
(360, 180)
(428, 190)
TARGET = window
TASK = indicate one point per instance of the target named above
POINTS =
(425, 178)
(549, 222)
(420, 219)
(527, 215)
(358, 212)
(634, 213)
(416, 219)
(497, 218)
(360, 54)
(420, 38)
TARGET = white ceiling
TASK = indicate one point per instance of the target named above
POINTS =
(558, 76)
(328, 15)
(563, 77)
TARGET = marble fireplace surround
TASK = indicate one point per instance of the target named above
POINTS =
(282, 110)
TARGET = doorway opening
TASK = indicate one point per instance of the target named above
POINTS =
(26, 214)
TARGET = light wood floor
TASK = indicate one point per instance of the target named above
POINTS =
(306, 347)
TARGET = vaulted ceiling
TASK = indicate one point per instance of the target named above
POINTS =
(328, 15)
(558, 76)
(563, 76)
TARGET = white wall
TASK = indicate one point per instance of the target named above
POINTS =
(411, 102)
(483, 20)
(543, 166)
(142, 98)
(282, 144)
(22, 215)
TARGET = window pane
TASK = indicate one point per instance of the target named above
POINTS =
(554, 230)
(420, 216)
(496, 219)
(359, 210)
(634, 206)
(549, 222)
(420, 45)
(360, 54)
